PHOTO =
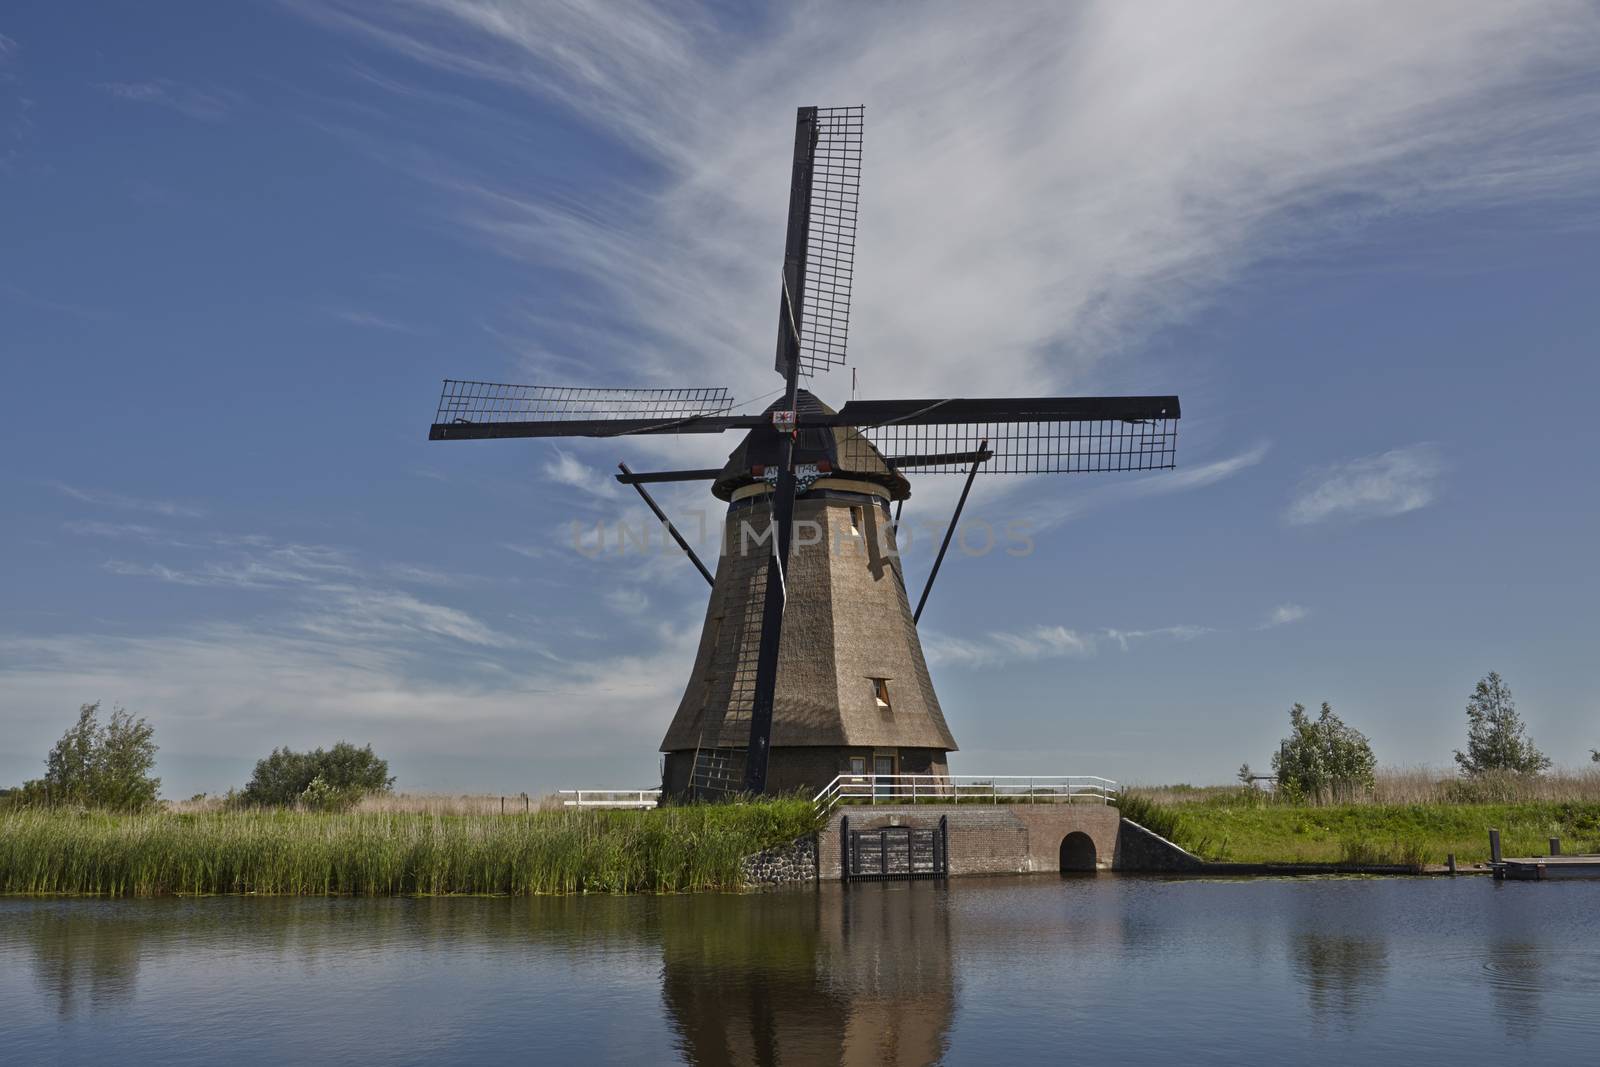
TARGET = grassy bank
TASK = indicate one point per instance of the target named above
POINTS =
(1229, 826)
(390, 853)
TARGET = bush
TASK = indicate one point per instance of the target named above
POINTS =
(99, 766)
(1323, 760)
(325, 780)
(1497, 740)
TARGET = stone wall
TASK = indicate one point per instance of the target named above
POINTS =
(1139, 849)
(986, 839)
(785, 864)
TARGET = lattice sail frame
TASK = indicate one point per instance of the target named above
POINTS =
(478, 403)
(831, 238)
(1032, 447)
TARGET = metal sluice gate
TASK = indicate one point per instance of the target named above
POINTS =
(892, 853)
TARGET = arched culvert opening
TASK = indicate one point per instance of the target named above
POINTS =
(1077, 853)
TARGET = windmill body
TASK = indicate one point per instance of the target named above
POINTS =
(810, 665)
(852, 692)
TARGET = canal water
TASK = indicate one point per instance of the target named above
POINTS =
(1107, 970)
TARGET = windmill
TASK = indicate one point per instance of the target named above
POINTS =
(809, 663)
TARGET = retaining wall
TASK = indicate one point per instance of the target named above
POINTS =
(987, 839)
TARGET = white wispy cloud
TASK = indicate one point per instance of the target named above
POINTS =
(370, 320)
(354, 613)
(1283, 615)
(630, 602)
(248, 574)
(121, 501)
(1111, 175)
(567, 469)
(209, 106)
(1043, 512)
(1389, 483)
(1002, 647)
(95, 528)
(240, 689)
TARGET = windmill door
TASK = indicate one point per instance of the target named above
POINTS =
(883, 771)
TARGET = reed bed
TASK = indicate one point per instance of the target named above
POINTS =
(1411, 785)
(403, 803)
(388, 853)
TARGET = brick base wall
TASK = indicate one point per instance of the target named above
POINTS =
(987, 839)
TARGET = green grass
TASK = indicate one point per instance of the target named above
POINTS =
(1229, 827)
(388, 853)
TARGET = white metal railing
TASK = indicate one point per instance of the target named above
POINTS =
(609, 798)
(965, 789)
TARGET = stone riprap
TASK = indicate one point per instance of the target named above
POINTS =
(783, 865)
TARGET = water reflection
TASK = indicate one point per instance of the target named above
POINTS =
(82, 960)
(867, 981)
(1340, 973)
(1514, 971)
(1216, 972)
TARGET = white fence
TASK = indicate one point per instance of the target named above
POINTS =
(609, 798)
(965, 789)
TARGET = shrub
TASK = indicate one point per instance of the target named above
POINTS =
(1497, 740)
(341, 775)
(100, 766)
(1322, 759)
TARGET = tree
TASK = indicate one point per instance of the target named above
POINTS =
(1497, 739)
(104, 766)
(1322, 759)
(325, 778)
(1246, 775)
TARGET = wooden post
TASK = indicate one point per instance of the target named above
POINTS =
(844, 848)
(1450, 862)
(1494, 846)
(1555, 846)
(502, 805)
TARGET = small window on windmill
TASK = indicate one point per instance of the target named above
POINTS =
(880, 687)
(855, 522)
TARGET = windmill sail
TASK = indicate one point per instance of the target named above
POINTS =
(469, 409)
(1026, 435)
(831, 238)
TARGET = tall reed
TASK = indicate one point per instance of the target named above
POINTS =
(387, 853)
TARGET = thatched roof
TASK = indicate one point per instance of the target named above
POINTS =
(846, 623)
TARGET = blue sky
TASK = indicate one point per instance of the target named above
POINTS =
(241, 244)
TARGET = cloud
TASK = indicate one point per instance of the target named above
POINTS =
(1283, 615)
(1042, 512)
(130, 503)
(371, 321)
(184, 99)
(1002, 647)
(567, 469)
(93, 528)
(628, 602)
(1389, 483)
(363, 614)
(229, 692)
(1099, 176)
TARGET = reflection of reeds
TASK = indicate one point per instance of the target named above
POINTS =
(391, 852)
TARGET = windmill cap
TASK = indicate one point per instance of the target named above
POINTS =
(847, 453)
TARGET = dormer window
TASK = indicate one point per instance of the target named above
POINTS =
(880, 688)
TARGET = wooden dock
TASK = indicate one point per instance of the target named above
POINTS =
(1540, 868)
